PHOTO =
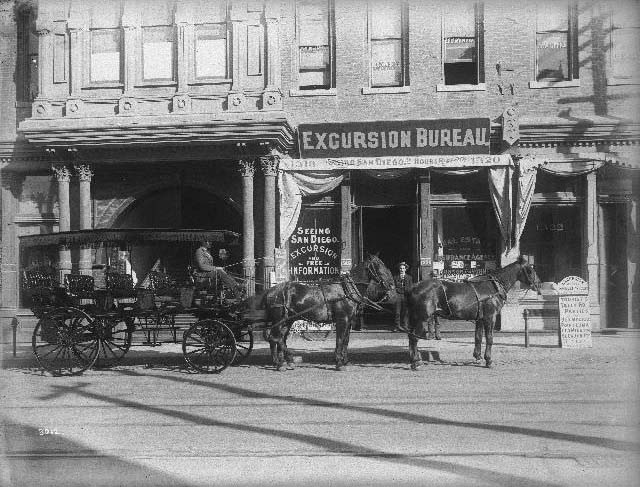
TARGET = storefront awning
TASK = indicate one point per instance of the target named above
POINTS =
(129, 236)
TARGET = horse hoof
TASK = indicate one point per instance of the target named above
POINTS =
(488, 365)
(341, 368)
(281, 367)
(438, 337)
(416, 365)
(290, 366)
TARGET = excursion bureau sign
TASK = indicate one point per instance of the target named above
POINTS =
(458, 136)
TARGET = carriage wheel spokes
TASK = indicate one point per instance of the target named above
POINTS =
(114, 336)
(64, 342)
(244, 344)
(209, 346)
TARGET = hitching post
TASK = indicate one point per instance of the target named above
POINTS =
(14, 326)
(526, 328)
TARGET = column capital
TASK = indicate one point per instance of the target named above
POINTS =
(84, 172)
(61, 173)
(269, 165)
(246, 167)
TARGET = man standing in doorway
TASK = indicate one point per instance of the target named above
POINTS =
(403, 282)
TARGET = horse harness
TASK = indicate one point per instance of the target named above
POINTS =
(500, 291)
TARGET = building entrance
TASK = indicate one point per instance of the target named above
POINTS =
(391, 232)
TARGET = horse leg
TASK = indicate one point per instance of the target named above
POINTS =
(287, 354)
(489, 323)
(477, 350)
(342, 341)
(415, 357)
(437, 327)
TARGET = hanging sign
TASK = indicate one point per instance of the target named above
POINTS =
(575, 315)
(314, 246)
(395, 138)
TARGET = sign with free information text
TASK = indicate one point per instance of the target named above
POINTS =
(575, 314)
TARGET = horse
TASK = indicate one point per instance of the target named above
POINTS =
(478, 299)
(368, 284)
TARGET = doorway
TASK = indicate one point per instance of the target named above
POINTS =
(390, 232)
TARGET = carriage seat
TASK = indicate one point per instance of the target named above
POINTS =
(120, 285)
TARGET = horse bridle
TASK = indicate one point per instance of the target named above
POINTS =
(380, 280)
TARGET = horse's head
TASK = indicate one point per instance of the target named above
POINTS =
(379, 275)
(527, 275)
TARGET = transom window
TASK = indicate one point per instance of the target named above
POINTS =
(315, 44)
(463, 50)
(556, 31)
(388, 39)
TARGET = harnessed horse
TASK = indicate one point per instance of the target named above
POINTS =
(368, 284)
(479, 299)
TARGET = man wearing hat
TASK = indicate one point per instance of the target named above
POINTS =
(403, 282)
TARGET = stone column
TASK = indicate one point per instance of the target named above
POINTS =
(63, 176)
(426, 226)
(346, 259)
(76, 42)
(84, 175)
(247, 170)
(45, 59)
(632, 266)
(590, 238)
(11, 186)
(270, 169)
(273, 54)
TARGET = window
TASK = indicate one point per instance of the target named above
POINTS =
(158, 41)
(387, 36)
(462, 42)
(27, 55)
(625, 39)
(211, 51)
(105, 55)
(556, 41)
(315, 45)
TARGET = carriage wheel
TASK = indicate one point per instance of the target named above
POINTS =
(244, 343)
(64, 342)
(114, 336)
(208, 346)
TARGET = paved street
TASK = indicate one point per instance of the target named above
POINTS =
(541, 417)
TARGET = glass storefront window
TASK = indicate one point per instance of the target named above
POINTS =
(552, 239)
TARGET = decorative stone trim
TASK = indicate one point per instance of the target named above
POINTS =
(41, 108)
(510, 127)
(126, 106)
(181, 104)
(84, 172)
(271, 100)
(61, 173)
(236, 102)
(246, 167)
(73, 108)
(269, 165)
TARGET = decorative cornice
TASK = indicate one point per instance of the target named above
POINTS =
(84, 172)
(61, 173)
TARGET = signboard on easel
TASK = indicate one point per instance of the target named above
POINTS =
(575, 315)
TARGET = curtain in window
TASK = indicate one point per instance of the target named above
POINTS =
(313, 44)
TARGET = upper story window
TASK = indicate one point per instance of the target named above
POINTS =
(314, 20)
(211, 41)
(158, 41)
(625, 42)
(105, 37)
(27, 56)
(556, 42)
(388, 27)
(462, 43)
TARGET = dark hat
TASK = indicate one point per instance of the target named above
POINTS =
(404, 264)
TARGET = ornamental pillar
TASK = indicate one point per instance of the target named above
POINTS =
(63, 177)
(346, 258)
(592, 257)
(247, 170)
(11, 187)
(270, 169)
(84, 175)
(45, 57)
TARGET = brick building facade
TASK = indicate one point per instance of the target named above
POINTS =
(185, 115)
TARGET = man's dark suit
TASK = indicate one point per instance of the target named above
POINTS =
(402, 285)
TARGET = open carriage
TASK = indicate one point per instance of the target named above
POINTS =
(90, 320)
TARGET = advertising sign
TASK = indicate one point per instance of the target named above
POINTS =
(314, 246)
(459, 136)
(575, 315)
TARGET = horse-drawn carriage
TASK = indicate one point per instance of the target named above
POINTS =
(83, 324)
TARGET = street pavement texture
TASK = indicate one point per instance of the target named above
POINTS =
(541, 417)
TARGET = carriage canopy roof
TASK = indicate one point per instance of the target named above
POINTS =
(129, 236)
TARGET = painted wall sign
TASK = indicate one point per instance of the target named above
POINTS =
(575, 314)
(314, 246)
(398, 138)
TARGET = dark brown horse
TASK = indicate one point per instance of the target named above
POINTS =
(368, 283)
(478, 299)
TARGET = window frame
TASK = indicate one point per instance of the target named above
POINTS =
(618, 80)
(573, 66)
(226, 78)
(174, 47)
(404, 86)
(331, 38)
(480, 61)
(106, 83)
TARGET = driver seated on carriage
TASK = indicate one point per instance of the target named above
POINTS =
(207, 274)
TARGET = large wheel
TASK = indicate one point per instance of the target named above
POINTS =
(208, 346)
(64, 341)
(244, 343)
(114, 335)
